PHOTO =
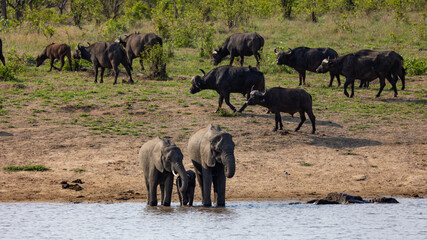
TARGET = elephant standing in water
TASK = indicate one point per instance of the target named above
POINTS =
(188, 196)
(161, 159)
(212, 152)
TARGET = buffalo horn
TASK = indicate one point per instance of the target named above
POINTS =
(202, 72)
(215, 52)
(252, 88)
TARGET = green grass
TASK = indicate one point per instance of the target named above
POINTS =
(305, 164)
(33, 168)
(78, 170)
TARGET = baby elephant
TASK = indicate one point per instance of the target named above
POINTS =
(287, 100)
(187, 196)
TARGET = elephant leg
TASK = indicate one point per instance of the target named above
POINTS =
(162, 193)
(219, 188)
(152, 201)
(207, 184)
(147, 185)
(168, 186)
(190, 196)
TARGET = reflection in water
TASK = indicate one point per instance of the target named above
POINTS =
(248, 220)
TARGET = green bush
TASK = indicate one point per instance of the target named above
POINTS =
(113, 28)
(34, 168)
(6, 74)
(416, 66)
(159, 56)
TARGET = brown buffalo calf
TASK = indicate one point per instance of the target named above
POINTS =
(55, 51)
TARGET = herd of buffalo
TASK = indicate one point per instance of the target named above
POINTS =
(211, 149)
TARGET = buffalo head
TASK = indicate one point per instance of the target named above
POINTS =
(256, 97)
(282, 57)
(218, 55)
(325, 65)
(39, 60)
(197, 83)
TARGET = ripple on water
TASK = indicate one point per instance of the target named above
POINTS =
(239, 220)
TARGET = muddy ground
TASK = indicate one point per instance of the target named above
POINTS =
(388, 158)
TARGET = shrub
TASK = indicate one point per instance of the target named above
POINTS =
(159, 56)
(34, 168)
(416, 66)
(113, 28)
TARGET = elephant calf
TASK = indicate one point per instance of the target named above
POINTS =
(212, 152)
(187, 197)
(161, 159)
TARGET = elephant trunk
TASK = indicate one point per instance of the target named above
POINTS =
(184, 179)
(229, 164)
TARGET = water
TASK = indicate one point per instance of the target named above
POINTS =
(239, 220)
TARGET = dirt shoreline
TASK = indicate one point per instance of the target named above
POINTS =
(370, 164)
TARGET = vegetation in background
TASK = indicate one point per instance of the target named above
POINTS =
(33, 168)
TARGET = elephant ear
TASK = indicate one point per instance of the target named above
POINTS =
(167, 151)
(158, 156)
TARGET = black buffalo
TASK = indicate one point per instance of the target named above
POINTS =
(1, 53)
(229, 79)
(306, 59)
(396, 61)
(55, 51)
(239, 44)
(364, 68)
(287, 100)
(105, 55)
(136, 43)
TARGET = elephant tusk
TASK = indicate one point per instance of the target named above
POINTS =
(174, 173)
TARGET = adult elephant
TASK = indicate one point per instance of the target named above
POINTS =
(161, 159)
(212, 152)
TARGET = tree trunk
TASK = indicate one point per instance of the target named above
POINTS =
(287, 8)
(3, 9)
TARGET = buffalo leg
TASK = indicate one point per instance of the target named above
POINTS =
(227, 101)
(338, 79)
(332, 79)
(231, 59)
(257, 58)
(382, 85)
(393, 83)
(102, 74)
(400, 72)
(220, 100)
(69, 61)
(62, 63)
(116, 72)
(347, 82)
(278, 120)
(127, 67)
(2, 59)
(96, 74)
(302, 117)
(242, 59)
(51, 64)
(313, 120)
